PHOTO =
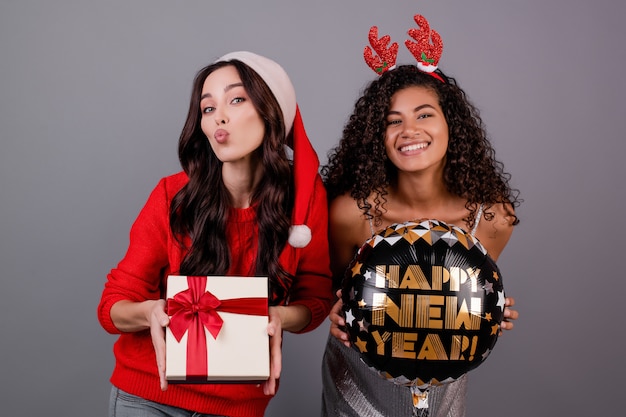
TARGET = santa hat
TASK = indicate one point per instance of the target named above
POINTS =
(305, 160)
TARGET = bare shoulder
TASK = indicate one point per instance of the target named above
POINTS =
(347, 223)
(348, 229)
(344, 212)
(495, 233)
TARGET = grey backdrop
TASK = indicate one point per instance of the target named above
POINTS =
(93, 95)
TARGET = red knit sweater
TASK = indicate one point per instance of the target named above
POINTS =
(153, 254)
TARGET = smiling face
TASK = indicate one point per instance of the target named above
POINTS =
(416, 138)
(229, 118)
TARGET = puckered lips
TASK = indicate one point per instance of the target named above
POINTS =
(220, 135)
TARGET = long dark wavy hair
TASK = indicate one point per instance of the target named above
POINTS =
(359, 164)
(200, 209)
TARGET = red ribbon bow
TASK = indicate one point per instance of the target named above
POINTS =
(195, 308)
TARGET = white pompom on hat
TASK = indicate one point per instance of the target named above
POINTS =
(305, 160)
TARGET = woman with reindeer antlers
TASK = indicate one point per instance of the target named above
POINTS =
(414, 147)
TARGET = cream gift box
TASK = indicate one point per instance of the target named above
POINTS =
(217, 330)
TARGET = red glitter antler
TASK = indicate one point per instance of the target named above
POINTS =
(426, 53)
(386, 58)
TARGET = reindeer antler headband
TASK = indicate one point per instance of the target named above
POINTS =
(426, 49)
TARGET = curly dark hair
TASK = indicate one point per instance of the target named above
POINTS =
(200, 209)
(360, 165)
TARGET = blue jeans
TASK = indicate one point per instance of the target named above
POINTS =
(123, 404)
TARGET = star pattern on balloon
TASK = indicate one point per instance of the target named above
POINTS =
(495, 328)
(349, 316)
(501, 300)
(488, 316)
(361, 344)
(495, 275)
(488, 287)
(370, 274)
(356, 269)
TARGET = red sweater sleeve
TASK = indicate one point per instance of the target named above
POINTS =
(138, 275)
(151, 255)
(312, 285)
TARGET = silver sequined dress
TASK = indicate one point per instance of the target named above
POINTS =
(351, 389)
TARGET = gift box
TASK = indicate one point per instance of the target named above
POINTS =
(217, 330)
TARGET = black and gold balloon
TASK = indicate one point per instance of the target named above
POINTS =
(423, 302)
